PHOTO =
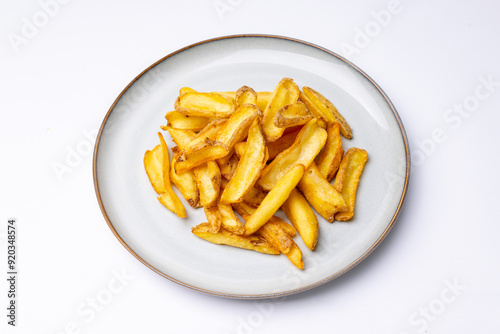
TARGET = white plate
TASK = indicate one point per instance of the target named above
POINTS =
(164, 243)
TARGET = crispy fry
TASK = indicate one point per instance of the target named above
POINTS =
(208, 179)
(347, 179)
(228, 166)
(223, 237)
(245, 95)
(236, 127)
(277, 236)
(292, 115)
(248, 169)
(306, 146)
(329, 160)
(204, 104)
(295, 256)
(321, 107)
(181, 137)
(214, 218)
(154, 170)
(322, 196)
(262, 98)
(206, 137)
(274, 199)
(302, 217)
(186, 183)
(286, 92)
(169, 198)
(179, 120)
(230, 221)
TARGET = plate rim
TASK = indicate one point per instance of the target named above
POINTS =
(264, 295)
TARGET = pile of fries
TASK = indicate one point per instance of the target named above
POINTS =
(243, 155)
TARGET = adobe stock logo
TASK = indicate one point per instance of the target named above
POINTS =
(364, 36)
(31, 26)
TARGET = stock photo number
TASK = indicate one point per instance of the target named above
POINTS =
(11, 271)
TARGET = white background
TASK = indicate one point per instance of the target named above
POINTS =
(436, 272)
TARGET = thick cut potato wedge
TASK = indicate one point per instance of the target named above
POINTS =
(249, 167)
(204, 104)
(306, 146)
(186, 183)
(302, 217)
(329, 160)
(223, 237)
(230, 221)
(157, 166)
(273, 148)
(236, 127)
(194, 159)
(153, 162)
(322, 196)
(246, 95)
(218, 139)
(321, 107)
(245, 211)
(228, 166)
(178, 120)
(274, 199)
(295, 256)
(180, 137)
(277, 236)
(262, 98)
(214, 218)
(347, 179)
(206, 137)
(254, 196)
(208, 179)
(292, 115)
(286, 92)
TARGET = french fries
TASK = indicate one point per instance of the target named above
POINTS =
(156, 163)
(347, 179)
(244, 155)
(249, 167)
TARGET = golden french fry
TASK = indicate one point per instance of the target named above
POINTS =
(223, 237)
(208, 179)
(214, 218)
(302, 217)
(321, 107)
(347, 179)
(206, 137)
(186, 183)
(230, 221)
(322, 196)
(254, 196)
(204, 104)
(169, 197)
(274, 199)
(262, 98)
(292, 115)
(286, 92)
(249, 167)
(295, 256)
(277, 236)
(306, 146)
(181, 137)
(153, 160)
(228, 166)
(245, 95)
(236, 127)
(329, 160)
(245, 211)
(179, 120)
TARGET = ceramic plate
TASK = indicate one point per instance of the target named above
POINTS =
(165, 244)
